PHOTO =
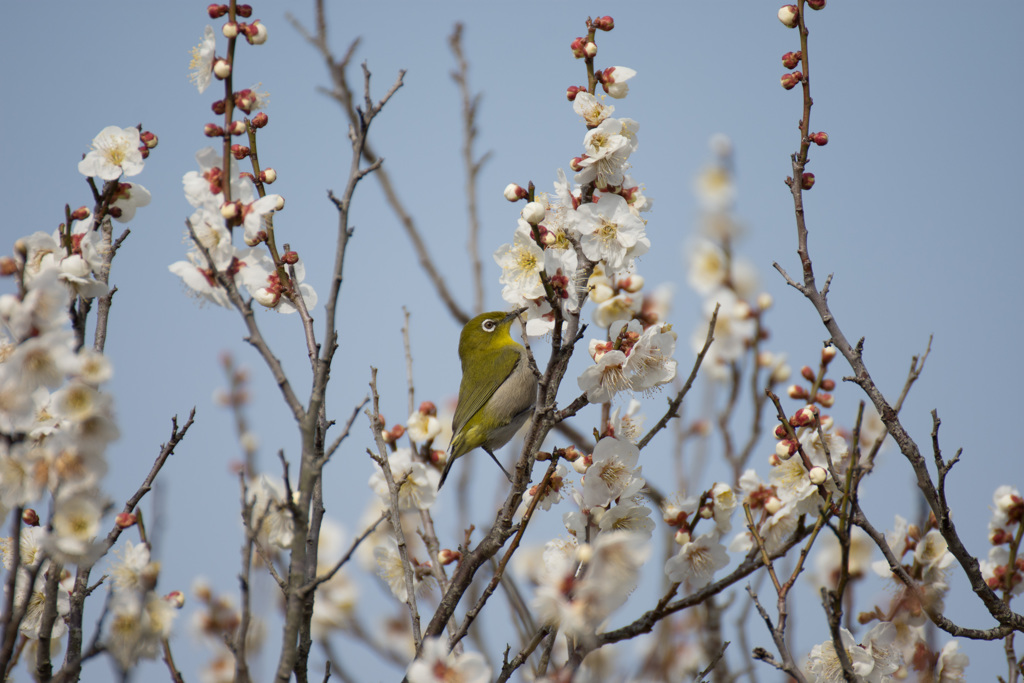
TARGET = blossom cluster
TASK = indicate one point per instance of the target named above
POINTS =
(56, 422)
(226, 198)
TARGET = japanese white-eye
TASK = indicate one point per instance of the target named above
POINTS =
(498, 388)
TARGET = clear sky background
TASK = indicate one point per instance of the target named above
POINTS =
(917, 210)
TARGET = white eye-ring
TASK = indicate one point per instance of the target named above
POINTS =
(488, 325)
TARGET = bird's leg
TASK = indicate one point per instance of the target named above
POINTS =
(498, 463)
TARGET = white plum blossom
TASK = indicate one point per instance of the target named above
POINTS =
(951, 664)
(897, 540)
(872, 662)
(608, 148)
(614, 82)
(521, 263)
(115, 151)
(609, 230)
(435, 664)
(697, 561)
(269, 506)
(391, 570)
(422, 427)
(626, 516)
(129, 197)
(724, 503)
(579, 602)
(627, 425)
(592, 110)
(605, 378)
(202, 60)
(419, 490)
(611, 473)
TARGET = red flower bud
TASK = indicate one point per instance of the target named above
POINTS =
(125, 520)
(828, 384)
(573, 90)
(149, 139)
(790, 80)
(791, 59)
(244, 11)
(819, 138)
(290, 257)
(259, 120)
(219, 107)
(780, 431)
(604, 23)
(212, 130)
(216, 11)
(807, 373)
(428, 408)
(796, 391)
(816, 4)
(239, 151)
(237, 127)
(30, 517)
(577, 47)
(81, 213)
(807, 181)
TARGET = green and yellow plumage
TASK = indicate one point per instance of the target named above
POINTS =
(498, 387)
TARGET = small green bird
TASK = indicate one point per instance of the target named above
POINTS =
(498, 388)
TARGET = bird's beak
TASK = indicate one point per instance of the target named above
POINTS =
(512, 315)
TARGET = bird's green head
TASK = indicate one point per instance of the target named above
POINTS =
(486, 333)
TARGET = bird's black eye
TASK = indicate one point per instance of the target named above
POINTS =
(488, 325)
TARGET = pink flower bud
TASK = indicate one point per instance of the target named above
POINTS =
(221, 68)
(786, 448)
(230, 210)
(237, 127)
(125, 520)
(290, 257)
(807, 373)
(81, 213)
(176, 598)
(790, 80)
(446, 556)
(514, 192)
(796, 391)
(827, 354)
(230, 30)
(257, 34)
(573, 90)
(577, 163)
(148, 139)
(245, 100)
(268, 176)
(216, 11)
(820, 139)
(789, 15)
(780, 431)
(244, 11)
(259, 120)
(632, 284)
(218, 107)
(816, 4)
(604, 23)
(791, 59)
(8, 266)
(239, 151)
(807, 181)
(826, 400)
(397, 432)
(817, 475)
(428, 408)
(30, 517)
(828, 384)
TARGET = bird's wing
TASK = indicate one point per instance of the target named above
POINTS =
(473, 395)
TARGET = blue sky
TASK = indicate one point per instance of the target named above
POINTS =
(917, 210)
